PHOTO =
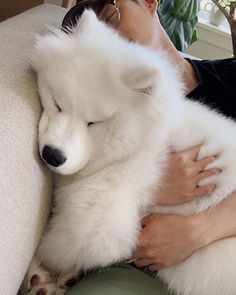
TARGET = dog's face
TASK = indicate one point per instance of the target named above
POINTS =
(75, 99)
(76, 104)
(85, 79)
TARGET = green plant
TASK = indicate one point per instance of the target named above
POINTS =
(228, 8)
(179, 18)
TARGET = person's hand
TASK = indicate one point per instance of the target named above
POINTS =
(167, 239)
(183, 174)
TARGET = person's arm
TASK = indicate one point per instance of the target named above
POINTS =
(168, 239)
(220, 221)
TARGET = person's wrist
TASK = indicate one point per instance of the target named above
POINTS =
(201, 230)
(211, 227)
(216, 229)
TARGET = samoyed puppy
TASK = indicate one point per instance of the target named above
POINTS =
(112, 112)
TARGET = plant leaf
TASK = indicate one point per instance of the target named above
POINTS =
(186, 10)
(179, 18)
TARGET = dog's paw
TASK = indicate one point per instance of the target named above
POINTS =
(38, 275)
(44, 289)
(68, 280)
(40, 280)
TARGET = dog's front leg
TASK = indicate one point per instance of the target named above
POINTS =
(41, 280)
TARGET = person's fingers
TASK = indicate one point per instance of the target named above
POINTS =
(202, 164)
(202, 191)
(143, 262)
(138, 253)
(208, 173)
(147, 219)
(155, 267)
(190, 153)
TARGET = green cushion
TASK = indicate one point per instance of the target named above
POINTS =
(119, 280)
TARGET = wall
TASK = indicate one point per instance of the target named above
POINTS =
(56, 2)
(213, 42)
(11, 7)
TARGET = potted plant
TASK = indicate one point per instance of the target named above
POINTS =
(179, 18)
(216, 17)
(228, 8)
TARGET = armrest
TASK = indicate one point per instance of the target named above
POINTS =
(25, 184)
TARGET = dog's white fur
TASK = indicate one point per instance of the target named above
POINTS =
(135, 98)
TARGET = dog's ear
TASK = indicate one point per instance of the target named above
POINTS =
(142, 78)
(88, 20)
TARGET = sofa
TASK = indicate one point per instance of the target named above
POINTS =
(26, 185)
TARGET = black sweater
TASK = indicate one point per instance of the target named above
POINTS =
(217, 85)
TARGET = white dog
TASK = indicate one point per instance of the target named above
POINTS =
(112, 111)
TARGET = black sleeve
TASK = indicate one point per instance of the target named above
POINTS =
(217, 84)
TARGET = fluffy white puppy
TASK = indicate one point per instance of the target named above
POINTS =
(112, 111)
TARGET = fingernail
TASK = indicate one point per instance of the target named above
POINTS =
(217, 171)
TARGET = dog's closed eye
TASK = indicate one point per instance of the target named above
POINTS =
(93, 123)
(57, 106)
(59, 109)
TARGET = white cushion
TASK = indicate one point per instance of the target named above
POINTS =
(25, 184)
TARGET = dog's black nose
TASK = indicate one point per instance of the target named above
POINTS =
(53, 156)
